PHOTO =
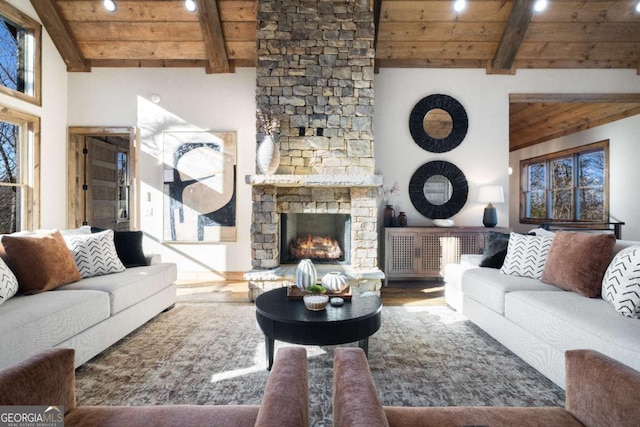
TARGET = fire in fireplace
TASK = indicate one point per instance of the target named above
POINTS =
(323, 238)
(315, 247)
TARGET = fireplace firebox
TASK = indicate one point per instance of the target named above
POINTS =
(320, 237)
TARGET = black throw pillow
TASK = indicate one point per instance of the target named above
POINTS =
(495, 249)
(128, 246)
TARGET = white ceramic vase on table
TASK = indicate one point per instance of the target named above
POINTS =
(335, 282)
(306, 274)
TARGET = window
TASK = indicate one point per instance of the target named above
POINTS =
(19, 171)
(20, 40)
(571, 185)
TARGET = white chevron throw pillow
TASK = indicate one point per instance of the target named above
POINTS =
(621, 282)
(8, 282)
(526, 255)
(94, 254)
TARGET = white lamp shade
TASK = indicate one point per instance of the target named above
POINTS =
(491, 194)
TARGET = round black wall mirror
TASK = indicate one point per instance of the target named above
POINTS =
(438, 123)
(438, 189)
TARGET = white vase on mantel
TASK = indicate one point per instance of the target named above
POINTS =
(268, 156)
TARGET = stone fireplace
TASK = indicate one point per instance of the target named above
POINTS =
(315, 70)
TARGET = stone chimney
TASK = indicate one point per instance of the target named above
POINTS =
(315, 71)
(315, 67)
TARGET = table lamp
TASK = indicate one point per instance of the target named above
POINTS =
(490, 194)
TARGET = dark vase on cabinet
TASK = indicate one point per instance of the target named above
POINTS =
(402, 219)
(389, 215)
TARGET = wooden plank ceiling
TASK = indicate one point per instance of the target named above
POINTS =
(536, 118)
(497, 36)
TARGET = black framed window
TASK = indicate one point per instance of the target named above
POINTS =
(570, 185)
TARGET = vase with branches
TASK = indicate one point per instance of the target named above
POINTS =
(268, 122)
(268, 154)
(388, 193)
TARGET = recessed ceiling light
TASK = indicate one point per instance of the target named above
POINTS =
(540, 5)
(638, 7)
(110, 5)
(190, 5)
(459, 5)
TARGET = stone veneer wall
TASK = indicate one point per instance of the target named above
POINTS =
(315, 70)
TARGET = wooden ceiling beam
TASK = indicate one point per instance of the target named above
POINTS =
(62, 37)
(516, 98)
(377, 8)
(213, 37)
(512, 36)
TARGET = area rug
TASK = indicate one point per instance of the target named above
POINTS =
(214, 353)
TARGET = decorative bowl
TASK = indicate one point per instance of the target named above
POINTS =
(443, 222)
(315, 302)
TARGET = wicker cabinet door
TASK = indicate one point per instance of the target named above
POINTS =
(432, 255)
(401, 253)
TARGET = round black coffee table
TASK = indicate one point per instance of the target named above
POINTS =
(289, 321)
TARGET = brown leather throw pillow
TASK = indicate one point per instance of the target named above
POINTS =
(577, 261)
(41, 261)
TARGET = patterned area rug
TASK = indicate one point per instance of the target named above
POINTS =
(213, 353)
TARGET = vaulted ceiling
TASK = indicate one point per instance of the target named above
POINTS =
(497, 36)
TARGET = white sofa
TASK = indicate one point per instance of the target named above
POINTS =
(537, 321)
(89, 315)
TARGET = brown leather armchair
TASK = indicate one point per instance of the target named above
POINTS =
(49, 379)
(601, 392)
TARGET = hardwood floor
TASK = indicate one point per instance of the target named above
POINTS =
(424, 292)
(396, 293)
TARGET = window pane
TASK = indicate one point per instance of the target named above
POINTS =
(562, 204)
(8, 55)
(536, 204)
(9, 141)
(537, 177)
(16, 67)
(561, 173)
(9, 209)
(592, 204)
(591, 169)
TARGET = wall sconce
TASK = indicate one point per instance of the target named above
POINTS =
(110, 5)
(490, 194)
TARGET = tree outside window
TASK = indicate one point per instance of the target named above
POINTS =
(571, 185)
(9, 177)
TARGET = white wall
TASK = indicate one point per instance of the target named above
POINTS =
(624, 173)
(190, 100)
(53, 126)
(483, 155)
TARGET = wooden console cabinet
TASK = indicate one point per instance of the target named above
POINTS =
(422, 252)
